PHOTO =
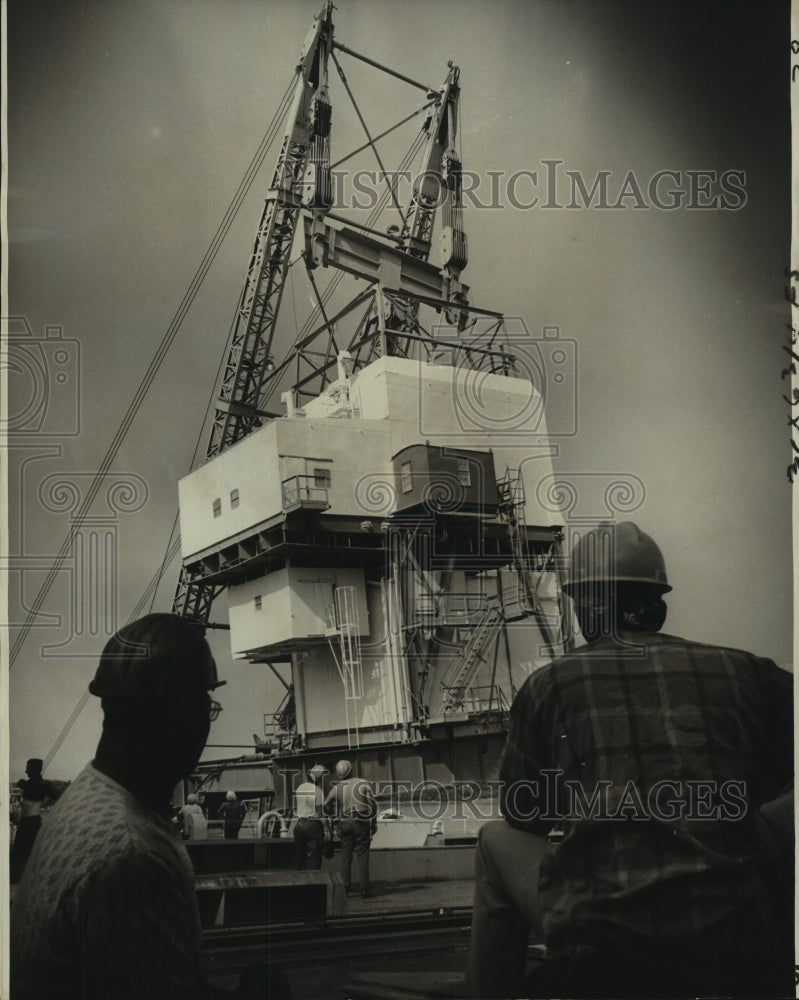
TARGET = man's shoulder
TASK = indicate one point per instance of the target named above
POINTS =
(112, 820)
(729, 656)
(88, 792)
(637, 648)
(548, 674)
(360, 783)
(90, 833)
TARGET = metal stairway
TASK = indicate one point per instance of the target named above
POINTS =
(511, 508)
(475, 653)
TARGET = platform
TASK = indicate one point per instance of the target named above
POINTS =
(413, 932)
(235, 900)
(407, 942)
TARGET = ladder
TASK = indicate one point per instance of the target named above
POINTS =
(511, 507)
(345, 623)
(510, 490)
(475, 653)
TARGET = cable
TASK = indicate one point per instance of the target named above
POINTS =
(149, 593)
(147, 380)
(188, 299)
(70, 722)
(210, 255)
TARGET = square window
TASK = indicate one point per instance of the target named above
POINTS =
(406, 479)
(321, 477)
(217, 507)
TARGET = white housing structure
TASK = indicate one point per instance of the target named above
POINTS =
(381, 539)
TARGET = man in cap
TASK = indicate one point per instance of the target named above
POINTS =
(351, 799)
(309, 830)
(106, 910)
(664, 761)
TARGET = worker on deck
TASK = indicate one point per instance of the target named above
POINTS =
(309, 830)
(36, 792)
(352, 801)
(191, 817)
(106, 909)
(664, 761)
(232, 812)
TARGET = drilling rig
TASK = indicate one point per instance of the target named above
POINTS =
(378, 536)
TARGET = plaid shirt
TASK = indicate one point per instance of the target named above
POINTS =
(655, 758)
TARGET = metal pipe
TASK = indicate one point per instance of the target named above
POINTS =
(259, 828)
(391, 72)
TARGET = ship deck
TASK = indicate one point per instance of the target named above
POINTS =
(409, 941)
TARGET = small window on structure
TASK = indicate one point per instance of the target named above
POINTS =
(321, 477)
(258, 602)
(464, 475)
(217, 507)
(234, 498)
(405, 477)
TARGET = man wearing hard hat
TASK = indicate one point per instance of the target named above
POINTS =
(309, 830)
(351, 800)
(107, 908)
(668, 765)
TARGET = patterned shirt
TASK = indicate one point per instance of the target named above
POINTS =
(654, 756)
(106, 908)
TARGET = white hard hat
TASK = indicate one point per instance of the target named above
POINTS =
(343, 768)
(319, 769)
(191, 798)
(231, 796)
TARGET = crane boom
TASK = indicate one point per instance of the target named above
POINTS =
(249, 351)
(250, 346)
(302, 182)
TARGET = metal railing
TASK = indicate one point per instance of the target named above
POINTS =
(304, 491)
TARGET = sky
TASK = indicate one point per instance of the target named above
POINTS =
(130, 128)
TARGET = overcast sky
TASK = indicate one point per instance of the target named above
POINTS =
(130, 128)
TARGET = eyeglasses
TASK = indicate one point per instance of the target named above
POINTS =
(214, 708)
